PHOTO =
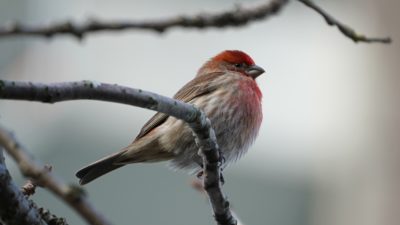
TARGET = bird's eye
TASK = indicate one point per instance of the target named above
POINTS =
(239, 65)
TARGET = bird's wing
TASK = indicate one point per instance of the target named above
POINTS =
(199, 86)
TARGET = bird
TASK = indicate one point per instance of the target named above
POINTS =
(225, 89)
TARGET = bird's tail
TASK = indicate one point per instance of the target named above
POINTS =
(99, 168)
(134, 153)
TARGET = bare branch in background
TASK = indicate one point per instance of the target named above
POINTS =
(196, 119)
(239, 16)
(15, 208)
(72, 195)
(29, 188)
(346, 30)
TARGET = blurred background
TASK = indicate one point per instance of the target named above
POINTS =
(328, 149)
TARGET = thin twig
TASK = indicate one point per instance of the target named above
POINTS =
(31, 169)
(29, 188)
(15, 208)
(196, 119)
(346, 30)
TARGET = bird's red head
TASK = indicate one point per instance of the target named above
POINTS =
(233, 60)
(234, 57)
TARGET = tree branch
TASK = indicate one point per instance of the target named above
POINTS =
(239, 16)
(235, 17)
(346, 30)
(198, 186)
(196, 119)
(15, 209)
(72, 195)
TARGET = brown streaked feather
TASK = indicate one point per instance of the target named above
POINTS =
(154, 122)
(199, 86)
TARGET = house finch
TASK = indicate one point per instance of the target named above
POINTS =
(226, 90)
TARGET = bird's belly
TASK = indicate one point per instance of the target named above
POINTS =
(236, 129)
(235, 123)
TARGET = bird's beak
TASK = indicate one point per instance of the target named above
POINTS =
(254, 71)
